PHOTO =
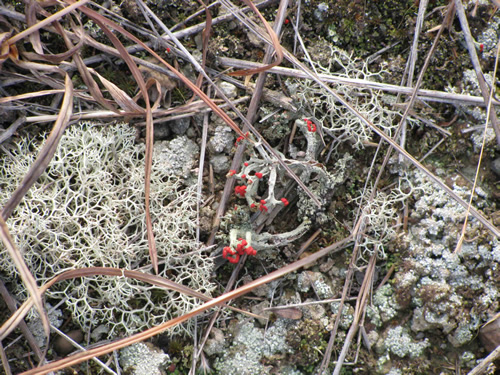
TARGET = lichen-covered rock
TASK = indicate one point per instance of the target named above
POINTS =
(143, 359)
(230, 90)
(220, 163)
(216, 343)
(177, 156)
(384, 306)
(250, 346)
(450, 292)
(399, 342)
(222, 140)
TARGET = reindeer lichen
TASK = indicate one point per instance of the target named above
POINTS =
(87, 209)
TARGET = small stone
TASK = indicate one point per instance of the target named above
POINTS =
(143, 359)
(220, 163)
(495, 166)
(63, 346)
(222, 140)
(180, 126)
(228, 89)
(216, 343)
(161, 132)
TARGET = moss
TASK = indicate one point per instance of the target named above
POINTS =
(364, 26)
(308, 340)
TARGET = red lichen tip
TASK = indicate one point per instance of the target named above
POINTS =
(250, 251)
(240, 138)
(240, 190)
(262, 206)
(285, 201)
(258, 174)
(230, 255)
(245, 164)
(231, 172)
(311, 126)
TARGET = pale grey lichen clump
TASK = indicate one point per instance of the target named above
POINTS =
(400, 343)
(381, 212)
(450, 292)
(445, 293)
(250, 346)
(87, 209)
(384, 306)
(336, 119)
(141, 359)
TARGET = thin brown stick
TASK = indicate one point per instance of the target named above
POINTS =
(47, 21)
(489, 113)
(22, 325)
(422, 94)
(476, 64)
(358, 313)
(5, 361)
(250, 117)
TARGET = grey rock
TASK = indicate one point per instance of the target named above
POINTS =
(495, 166)
(178, 155)
(222, 140)
(161, 132)
(180, 126)
(143, 359)
(228, 89)
(220, 163)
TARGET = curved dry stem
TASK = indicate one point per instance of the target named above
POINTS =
(101, 350)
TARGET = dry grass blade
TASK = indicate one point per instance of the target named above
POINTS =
(46, 21)
(179, 75)
(26, 276)
(360, 305)
(55, 58)
(89, 80)
(124, 101)
(80, 357)
(5, 361)
(483, 144)
(102, 22)
(482, 367)
(475, 63)
(7, 51)
(46, 153)
(161, 282)
(29, 95)
(423, 94)
(12, 305)
(32, 9)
